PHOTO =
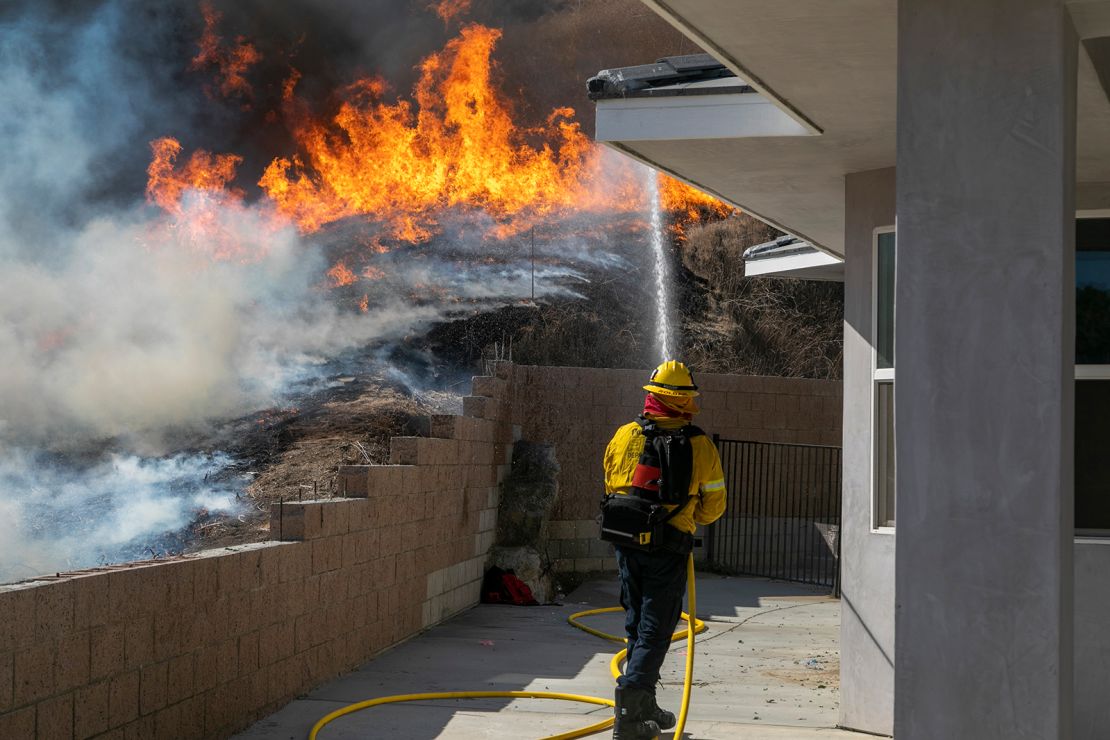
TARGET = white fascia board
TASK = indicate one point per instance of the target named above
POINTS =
(728, 116)
(722, 55)
(814, 265)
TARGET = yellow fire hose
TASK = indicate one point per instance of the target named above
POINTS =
(693, 626)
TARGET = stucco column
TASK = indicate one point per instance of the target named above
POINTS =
(984, 353)
(867, 556)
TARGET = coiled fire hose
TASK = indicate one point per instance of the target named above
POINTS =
(693, 627)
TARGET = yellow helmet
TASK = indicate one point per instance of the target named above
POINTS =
(672, 378)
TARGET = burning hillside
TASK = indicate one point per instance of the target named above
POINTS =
(451, 151)
(207, 211)
(454, 145)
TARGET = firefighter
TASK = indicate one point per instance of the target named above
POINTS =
(665, 466)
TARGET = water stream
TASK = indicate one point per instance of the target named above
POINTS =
(662, 282)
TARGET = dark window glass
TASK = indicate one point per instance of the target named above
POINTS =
(1092, 397)
(1092, 291)
(1092, 454)
(884, 454)
(884, 302)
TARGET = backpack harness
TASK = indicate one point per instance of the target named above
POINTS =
(661, 478)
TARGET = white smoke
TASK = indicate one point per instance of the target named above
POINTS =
(122, 508)
(137, 333)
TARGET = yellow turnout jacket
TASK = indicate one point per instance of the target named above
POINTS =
(707, 484)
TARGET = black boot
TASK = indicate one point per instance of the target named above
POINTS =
(666, 720)
(633, 715)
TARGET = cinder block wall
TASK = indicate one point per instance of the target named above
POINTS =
(201, 646)
(578, 409)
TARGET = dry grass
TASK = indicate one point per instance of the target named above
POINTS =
(755, 326)
(296, 453)
(353, 431)
(602, 331)
(729, 323)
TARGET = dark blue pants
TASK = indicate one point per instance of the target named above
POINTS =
(652, 586)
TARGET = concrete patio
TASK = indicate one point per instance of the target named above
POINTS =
(766, 668)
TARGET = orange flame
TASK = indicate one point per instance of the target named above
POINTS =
(341, 275)
(374, 243)
(230, 62)
(207, 213)
(448, 10)
(364, 303)
(687, 205)
(677, 196)
(455, 145)
(167, 183)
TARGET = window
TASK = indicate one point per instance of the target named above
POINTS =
(882, 368)
(1092, 373)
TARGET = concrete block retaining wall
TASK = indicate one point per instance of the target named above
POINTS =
(202, 645)
(578, 409)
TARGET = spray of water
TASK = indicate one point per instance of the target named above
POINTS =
(662, 283)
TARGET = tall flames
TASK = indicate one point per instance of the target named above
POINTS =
(452, 147)
(455, 145)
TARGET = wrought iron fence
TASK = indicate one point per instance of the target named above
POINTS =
(783, 514)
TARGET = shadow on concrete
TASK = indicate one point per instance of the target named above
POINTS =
(504, 648)
(489, 648)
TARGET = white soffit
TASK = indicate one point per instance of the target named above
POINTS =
(829, 65)
(705, 116)
(810, 265)
(832, 66)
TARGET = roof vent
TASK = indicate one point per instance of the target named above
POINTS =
(623, 81)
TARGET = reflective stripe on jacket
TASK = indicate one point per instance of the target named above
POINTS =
(707, 484)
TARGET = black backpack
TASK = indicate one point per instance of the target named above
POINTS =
(661, 478)
(666, 465)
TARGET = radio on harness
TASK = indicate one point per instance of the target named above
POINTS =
(661, 478)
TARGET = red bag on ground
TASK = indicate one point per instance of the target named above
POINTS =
(503, 587)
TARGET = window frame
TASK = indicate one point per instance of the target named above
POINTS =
(878, 376)
(1090, 372)
(1081, 372)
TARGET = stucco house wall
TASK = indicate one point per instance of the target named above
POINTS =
(867, 556)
